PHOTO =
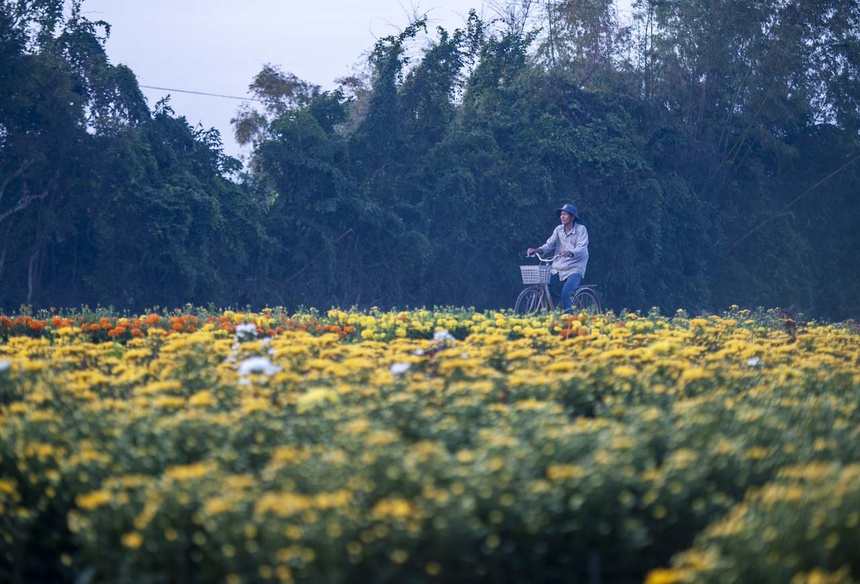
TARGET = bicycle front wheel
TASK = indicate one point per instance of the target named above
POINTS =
(530, 301)
(586, 300)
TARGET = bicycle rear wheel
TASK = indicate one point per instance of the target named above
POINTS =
(586, 300)
(530, 301)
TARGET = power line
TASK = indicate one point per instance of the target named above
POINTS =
(793, 201)
(201, 93)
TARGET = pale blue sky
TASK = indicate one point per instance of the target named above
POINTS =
(217, 46)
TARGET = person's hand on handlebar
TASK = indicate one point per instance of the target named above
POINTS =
(532, 250)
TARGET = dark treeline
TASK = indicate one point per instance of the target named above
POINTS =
(711, 146)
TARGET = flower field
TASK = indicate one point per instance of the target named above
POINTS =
(428, 446)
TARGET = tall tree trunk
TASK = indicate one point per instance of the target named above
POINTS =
(30, 270)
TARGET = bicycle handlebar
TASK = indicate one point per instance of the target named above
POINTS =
(541, 258)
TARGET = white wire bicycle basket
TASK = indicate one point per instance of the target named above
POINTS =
(536, 274)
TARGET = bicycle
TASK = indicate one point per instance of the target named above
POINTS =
(536, 296)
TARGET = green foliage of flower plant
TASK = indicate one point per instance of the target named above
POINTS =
(428, 445)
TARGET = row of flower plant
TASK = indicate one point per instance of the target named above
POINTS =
(429, 445)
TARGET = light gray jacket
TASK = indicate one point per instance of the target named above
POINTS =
(576, 241)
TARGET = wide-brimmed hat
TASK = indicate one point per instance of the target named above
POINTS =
(570, 208)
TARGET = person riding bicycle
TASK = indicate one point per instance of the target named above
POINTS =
(569, 243)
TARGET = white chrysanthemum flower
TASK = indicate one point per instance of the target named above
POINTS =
(441, 336)
(246, 331)
(400, 368)
(258, 365)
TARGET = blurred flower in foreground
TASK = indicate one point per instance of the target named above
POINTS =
(400, 368)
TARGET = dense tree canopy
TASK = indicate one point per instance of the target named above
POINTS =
(711, 146)
(101, 200)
